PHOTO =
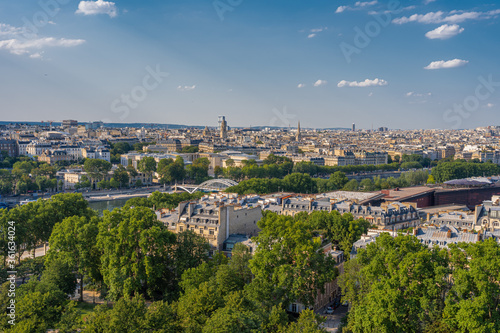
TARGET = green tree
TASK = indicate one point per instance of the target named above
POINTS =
(97, 169)
(147, 165)
(121, 176)
(134, 316)
(338, 180)
(190, 250)
(352, 185)
(238, 315)
(164, 170)
(308, 322)
(135, 253)
(395, 285)
(299, 183)
(59, 272)
(285, 247)
(73, 241)
(473, 303)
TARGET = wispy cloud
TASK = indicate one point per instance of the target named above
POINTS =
(362, 84)
(6, 30)
(320, 83)
(426, 2)
(301, 85)
(22, 47)
(357, 6)
(447, 64)
(97, 7)
(445, 31)
(452, 17)
(414, 94)
(186, 88)
(314, 32)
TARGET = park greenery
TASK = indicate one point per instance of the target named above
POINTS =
(159, 281)
(304, 183)
(27, 175)
(458, 169)
(400, 285)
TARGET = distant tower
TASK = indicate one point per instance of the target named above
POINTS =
(223, 127)
(297, 136)
(353, 127)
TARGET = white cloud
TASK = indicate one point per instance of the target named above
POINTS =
(426, 2)
(186, 88)
(341, 9)
(446, 64)
(20, 47)
(358, 5)
(414, 94)
(301, 85)
(370, 94)
(490, 105)
(365, 83)
(37, 55)
(311, 36)
(452, 17)
(8, 30)
(365, 4)
(97, 7)
(445, 31)
(320, 83)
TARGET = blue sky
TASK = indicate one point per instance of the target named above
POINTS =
(414, 64)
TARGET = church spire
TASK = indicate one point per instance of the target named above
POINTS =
(297, 136)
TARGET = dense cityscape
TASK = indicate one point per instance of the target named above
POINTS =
(191, 224)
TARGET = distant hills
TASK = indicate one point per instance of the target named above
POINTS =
(159, 126)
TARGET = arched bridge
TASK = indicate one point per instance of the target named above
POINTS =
(209, 186)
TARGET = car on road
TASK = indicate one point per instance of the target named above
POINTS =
(329, 310)
(345, 303)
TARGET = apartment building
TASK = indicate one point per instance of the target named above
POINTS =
(215, 218)
(10, 146)
(393, 215)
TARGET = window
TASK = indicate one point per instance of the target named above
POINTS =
(211, 231)
(181, 229)
(201, 231)
(294, 307)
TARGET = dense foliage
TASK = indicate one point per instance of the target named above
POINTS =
(303, 183)
(446, 171)
(133, 258)
(400, 285)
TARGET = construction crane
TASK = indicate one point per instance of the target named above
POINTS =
(50, 122)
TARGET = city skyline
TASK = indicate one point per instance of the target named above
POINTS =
(413, 65)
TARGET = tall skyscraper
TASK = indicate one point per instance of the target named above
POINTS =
(353, 127)
(297, 136)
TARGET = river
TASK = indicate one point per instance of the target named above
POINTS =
(101, 206)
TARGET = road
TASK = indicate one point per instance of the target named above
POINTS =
(333, 320)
